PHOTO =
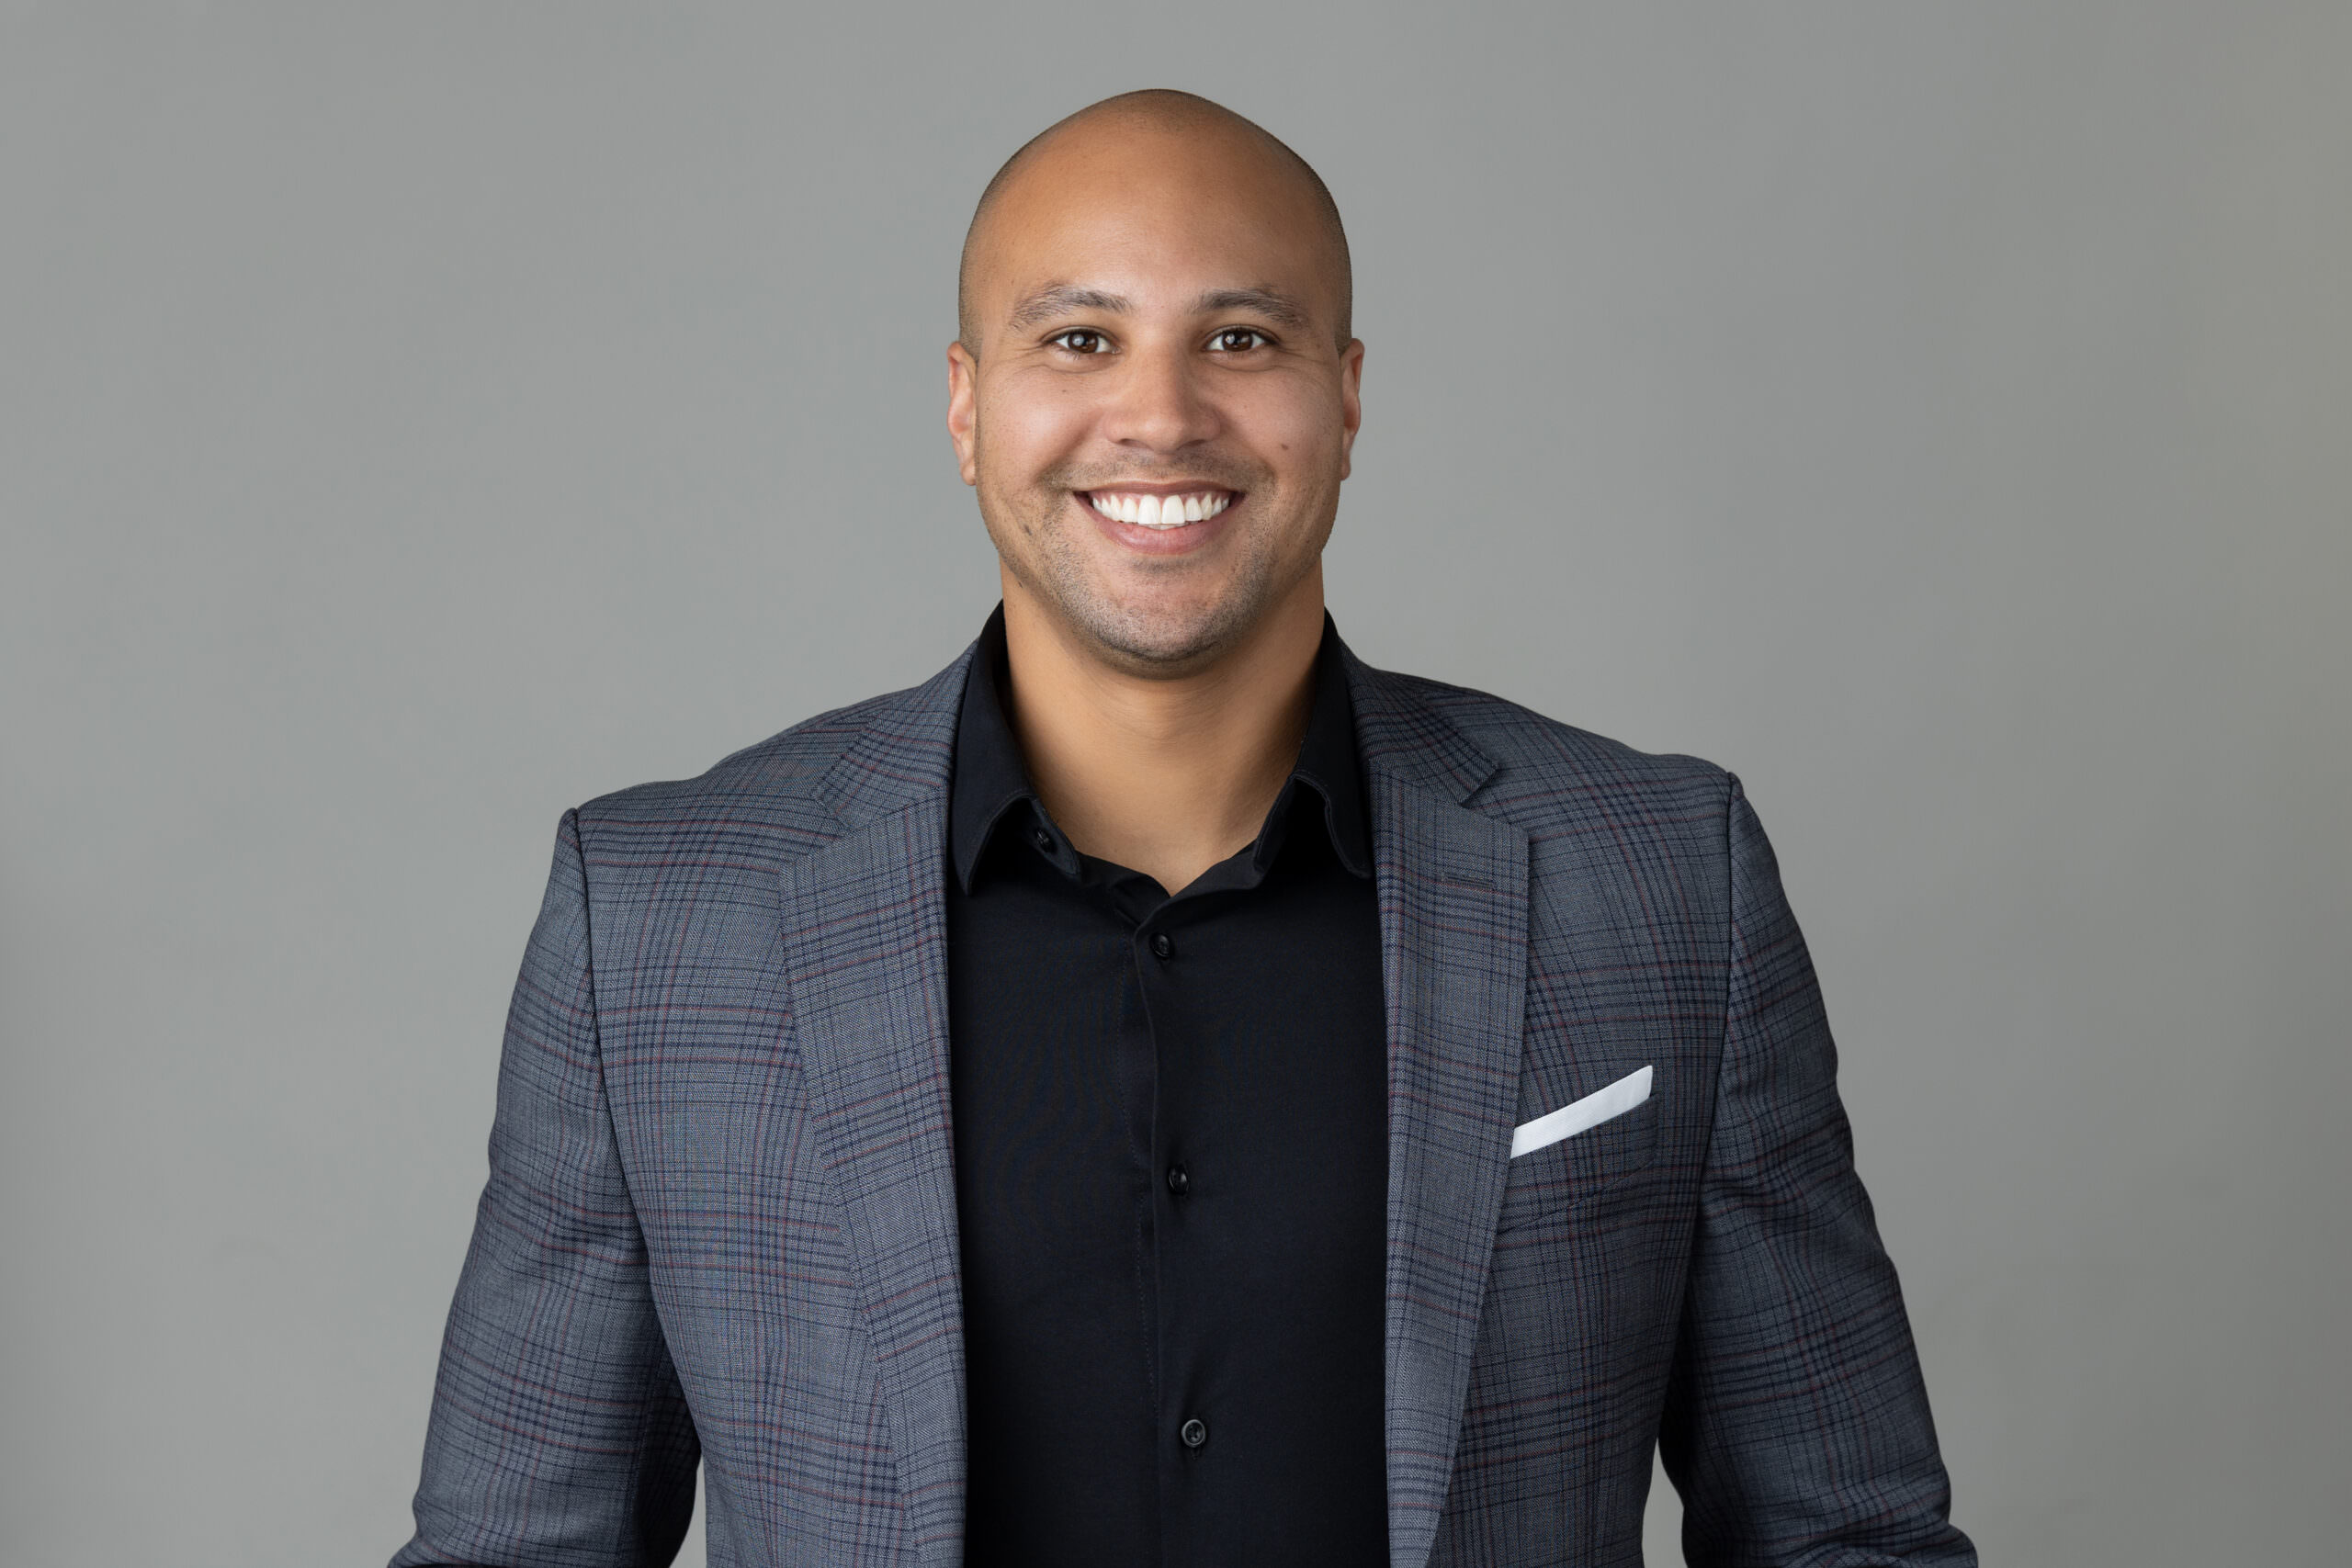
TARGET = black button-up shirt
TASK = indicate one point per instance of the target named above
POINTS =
(1171, 1130)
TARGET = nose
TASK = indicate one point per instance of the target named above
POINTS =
(1160, 403)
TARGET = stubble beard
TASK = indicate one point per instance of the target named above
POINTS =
(1154, 634)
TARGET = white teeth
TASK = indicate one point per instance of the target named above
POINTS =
(1158, 512)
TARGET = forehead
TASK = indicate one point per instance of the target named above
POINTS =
(1144, 212)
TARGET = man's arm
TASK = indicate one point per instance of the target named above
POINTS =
(559, 1432)
(1796, 1426)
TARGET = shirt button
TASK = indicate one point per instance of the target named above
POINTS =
(1180, 1181)
(1045, 841)
(1161, 947)
(1195, 1434)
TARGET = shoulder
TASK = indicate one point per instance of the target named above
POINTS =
(767, 800)
(805, 786)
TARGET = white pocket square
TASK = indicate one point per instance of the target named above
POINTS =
(1580, 1115)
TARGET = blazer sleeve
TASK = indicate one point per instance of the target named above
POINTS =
(1796, 1426)
(558, 1434)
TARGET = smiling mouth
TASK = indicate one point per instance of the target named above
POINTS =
(1156, 510)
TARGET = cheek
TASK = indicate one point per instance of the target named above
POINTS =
(1023, 430)
(1297, 427)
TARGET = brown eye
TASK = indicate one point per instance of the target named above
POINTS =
(1078, 340)
(1236, 340)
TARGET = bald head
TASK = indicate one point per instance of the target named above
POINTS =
(1155, 392)
(1121, 138)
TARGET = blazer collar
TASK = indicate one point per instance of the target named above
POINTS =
(901, 752)
(1402, 733)
(904, 746)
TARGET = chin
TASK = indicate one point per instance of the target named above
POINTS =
(1168, 639)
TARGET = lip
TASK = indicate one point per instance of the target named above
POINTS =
(1182, 539)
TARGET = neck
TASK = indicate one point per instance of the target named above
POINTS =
(1169, 775)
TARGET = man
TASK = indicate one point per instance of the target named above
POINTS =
(1162, 1091)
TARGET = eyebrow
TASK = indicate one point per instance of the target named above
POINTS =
(1274, 307)
(1060, 299)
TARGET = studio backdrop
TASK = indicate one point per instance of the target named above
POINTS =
(417, 420)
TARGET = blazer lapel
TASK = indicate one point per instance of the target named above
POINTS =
(863, 923)
(863, 932)
(1453, 889)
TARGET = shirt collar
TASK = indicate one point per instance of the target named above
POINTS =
(991, 783)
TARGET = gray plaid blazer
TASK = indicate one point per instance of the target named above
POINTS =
(721, 1218)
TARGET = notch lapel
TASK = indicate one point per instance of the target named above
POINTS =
(863, 924)
(1452, 888)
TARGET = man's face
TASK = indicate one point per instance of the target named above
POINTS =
(1159, 416)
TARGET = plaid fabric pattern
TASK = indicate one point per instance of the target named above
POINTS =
(721, 1218)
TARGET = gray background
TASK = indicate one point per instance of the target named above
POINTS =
(416, 420)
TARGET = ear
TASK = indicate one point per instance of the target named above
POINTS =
(1350, 399)
(963, 409)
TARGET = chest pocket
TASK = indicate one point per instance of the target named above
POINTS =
(1546, 1182)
